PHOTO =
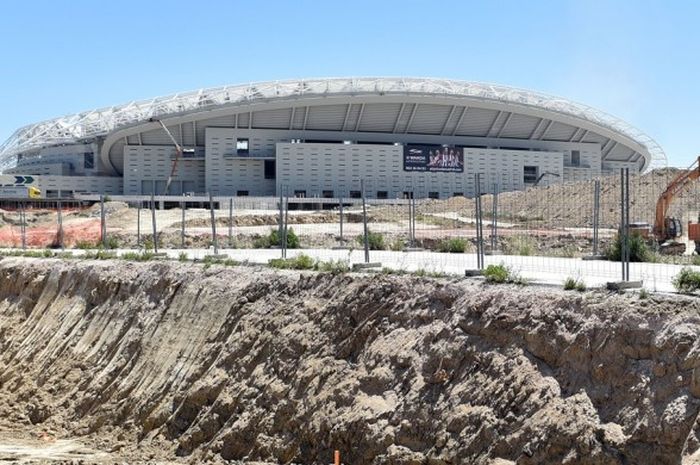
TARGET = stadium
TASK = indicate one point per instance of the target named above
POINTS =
(320, 137)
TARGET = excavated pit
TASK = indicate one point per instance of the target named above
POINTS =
(170, 362)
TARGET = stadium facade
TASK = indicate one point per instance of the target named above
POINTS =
(320, 137)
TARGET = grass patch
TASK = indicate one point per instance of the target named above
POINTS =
(274, 240)
(305, 262)
(687, 280)
(519, 245)
(137, 257)
(501, 274)
(397, 245)
(374, 240)
(574, 284)
(300, 262)
(209, 260)
(333, 266)
(452, 245)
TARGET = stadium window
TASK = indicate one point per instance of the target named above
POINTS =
(355, 194)
(270, 169)
(433, 195)
(327, 194)
(458, 194)
(407, 195)
(242, 193)
(89, 161)
(242, 147)
(529, 174)
(300, 193)
(575, 158)
(382, 195)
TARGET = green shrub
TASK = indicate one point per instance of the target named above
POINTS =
(574, 284)
(643, 293)
(374, 240)
(639, 250)
(687, 280)
(333, 266)
(130, 256)
(499, 274)
(452, 245)
(397, 245)
(148, 243)
(274, 240)
(300, 262)
(387, 270)
(182, 257)
(422, 272)
(85, 245)
(111, 242)
(137, 257)
(496, 274)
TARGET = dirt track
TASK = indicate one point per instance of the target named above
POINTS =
(173, 362)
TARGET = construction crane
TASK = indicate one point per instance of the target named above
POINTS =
(179, 152)
(666, 230)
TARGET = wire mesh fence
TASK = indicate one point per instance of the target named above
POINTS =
(552, 229)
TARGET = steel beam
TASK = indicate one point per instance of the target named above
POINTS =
(398, 118)
(493, 123)
(410, 119)
(449, 117)
(459, 121)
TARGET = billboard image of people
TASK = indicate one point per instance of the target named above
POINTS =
(433, 158)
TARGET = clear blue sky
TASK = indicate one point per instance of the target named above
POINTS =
(638, 60)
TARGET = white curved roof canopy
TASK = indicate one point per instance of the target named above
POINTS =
(95, 124)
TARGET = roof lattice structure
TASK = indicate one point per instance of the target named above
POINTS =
(90, 125)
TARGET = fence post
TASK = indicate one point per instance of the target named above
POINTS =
(286, 221)
(596, 214)
(183, 206)
(364, 220)
(479, 228)
(281, 218)
(60, 225)
(153, 222)
(624, 218)
(138, 224)
(103, 225)
(213, 225)
(409, 203)
(627, 222)
(22, 224)
(342, 241)
(494, 219)
(413, 218)
(230, 222)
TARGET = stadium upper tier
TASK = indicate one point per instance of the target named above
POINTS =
(370, 105)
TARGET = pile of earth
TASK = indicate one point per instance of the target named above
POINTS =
(177, 362)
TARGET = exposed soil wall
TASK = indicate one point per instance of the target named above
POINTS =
(173, 361)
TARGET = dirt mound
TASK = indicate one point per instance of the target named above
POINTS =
(571, 204)
(168, 361)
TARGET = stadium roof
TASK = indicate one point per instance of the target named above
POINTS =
(91, 125)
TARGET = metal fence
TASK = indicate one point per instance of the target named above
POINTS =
(552, 229)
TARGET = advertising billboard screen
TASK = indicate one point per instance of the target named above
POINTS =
(433, 159)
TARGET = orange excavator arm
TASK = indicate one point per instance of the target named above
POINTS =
(665, 199)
